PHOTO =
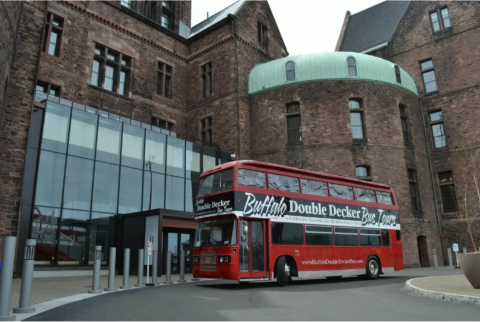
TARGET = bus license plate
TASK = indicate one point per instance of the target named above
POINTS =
(208, 260)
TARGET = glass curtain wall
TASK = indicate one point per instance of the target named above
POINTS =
(93, 166)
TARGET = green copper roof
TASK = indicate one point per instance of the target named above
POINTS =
(326, 66)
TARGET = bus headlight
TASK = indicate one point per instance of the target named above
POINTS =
(224, 259)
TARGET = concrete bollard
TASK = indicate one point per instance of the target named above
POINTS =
(168, 276)
(140, 269)
(155, 268)
(96, 271)
(111, 270)
(6, 277)
(126, 269)
(435, 259)
(464, 250)
(27, 277)
(450, 260)
(182, 267)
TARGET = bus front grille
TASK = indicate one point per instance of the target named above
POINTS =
(207, 267)
(208, 261)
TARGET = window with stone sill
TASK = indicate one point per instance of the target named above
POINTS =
(111, 70)
(206, 129)
(413, 185)
(405, 125)
(356, 119)
(447, 189)
(164, 80)
(440, 19)
(262, 34)
(52, 36)
(163, 124)
(428, 76)
(294, 123)
(207, 79)
(363, 173)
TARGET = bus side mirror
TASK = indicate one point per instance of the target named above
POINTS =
(243, 239)
(245, 229)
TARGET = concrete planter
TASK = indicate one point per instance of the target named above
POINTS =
(470, 264)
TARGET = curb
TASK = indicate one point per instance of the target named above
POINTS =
(45, 306)
(441, 295)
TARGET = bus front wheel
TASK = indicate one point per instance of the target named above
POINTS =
(282, 270)
(373, 268)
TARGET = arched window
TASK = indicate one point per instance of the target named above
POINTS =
(397, 74)
(290, 70)
(294, 123)
(352, 66)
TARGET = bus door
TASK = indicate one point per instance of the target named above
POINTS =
(252, 257)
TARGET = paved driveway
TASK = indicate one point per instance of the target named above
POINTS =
(346, 299)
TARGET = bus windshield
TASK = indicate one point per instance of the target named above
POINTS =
(216, 182)
(219, 232)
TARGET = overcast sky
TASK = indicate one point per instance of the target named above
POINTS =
(306, 26)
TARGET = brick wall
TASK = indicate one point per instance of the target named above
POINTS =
(327, 144)
(457, 72)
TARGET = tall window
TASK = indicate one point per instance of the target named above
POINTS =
(397, 74)
(262, 33)
(167, 14)
(294, 123)
(163, 124)
(447, 189)
(151, 10)
(164, 80)
(443, 23)
(428, 75)
(363, 173)
(111, 70)
(207, 131)
(356, 119)
(352, 66)
(53, 34)
(412, 181)
(405, 128)
(207, 79)
(438, 131)
(290, 70)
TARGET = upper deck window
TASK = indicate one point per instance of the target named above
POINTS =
(339, 191)
(283, 183)
(216, 182)
(365, 195)
(312, 187)
(252, 178)
(385, 197)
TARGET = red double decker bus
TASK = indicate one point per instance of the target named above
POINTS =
(261, 221)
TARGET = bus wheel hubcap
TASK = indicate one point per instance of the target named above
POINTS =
(287, 270)
(373, 267)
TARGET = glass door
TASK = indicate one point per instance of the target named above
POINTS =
(252, 249)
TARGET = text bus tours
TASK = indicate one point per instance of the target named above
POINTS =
(261, 221)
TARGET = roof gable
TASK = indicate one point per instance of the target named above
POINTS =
(373, 27)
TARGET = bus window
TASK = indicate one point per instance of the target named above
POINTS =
(312, 187)
(346, 236)
(370, 237)
(339, 191)
(252, 178)
(216, 182)
(385, 198)
(287, 234)
(399, 236)
(318, 235)
(283, 183)
(365, 195)
(385, 237)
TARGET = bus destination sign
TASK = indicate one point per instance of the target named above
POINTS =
(296, 210)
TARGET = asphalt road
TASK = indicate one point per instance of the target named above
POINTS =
(347, 299)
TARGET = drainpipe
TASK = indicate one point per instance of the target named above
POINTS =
(431, 176)
(237, 103)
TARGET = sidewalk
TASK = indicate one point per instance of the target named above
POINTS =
(52, 288)
(450, 288)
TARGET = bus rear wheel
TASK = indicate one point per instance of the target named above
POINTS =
(373, 268)
(282, 270)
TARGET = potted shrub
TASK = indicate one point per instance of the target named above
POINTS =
(468, 194)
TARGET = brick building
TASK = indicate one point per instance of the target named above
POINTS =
(437, 43)
(114, 108)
